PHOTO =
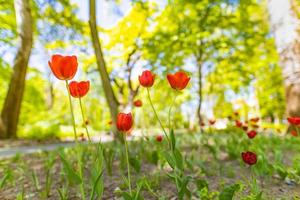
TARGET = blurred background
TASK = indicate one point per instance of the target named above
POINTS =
(242, 55)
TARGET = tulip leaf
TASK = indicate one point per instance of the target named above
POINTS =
(201, 183)
(178, 158)
(259, 196)
(228, 192)
(135, 163)
(183, 187)
(154, 157)
(126, 196)
(71, 173)
(173, 140)
(97, 186)
(170, 159)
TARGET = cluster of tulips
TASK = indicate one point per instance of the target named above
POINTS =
(248, 157)
(65, 67)
(295, 123)
(211, 122)
(177, 81)
(252, 123)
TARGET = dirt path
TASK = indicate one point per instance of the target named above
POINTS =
(7, 152)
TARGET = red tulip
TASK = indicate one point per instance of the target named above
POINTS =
(294, 120)
(238, 124)
(63, 67)
(79, 89)
(179, 80)
(212, 121)
(124, 122)
(294, 133)
(147, 78)
(254, 120)
(159, 138)
(249, 157)
(251, 134)
(138, 103)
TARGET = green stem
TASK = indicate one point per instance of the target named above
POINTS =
(81, 172)
(72, 112)
(156, 115)
(84, 120)
(150, 190)
(127, 159)
(76, 141)
(170, 109)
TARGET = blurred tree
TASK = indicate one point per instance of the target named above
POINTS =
(252, 61)
(12, 104)
(228, 42)
(57, 26)
(193, 30)
(108, 91)
(285, 25)
(125, 48)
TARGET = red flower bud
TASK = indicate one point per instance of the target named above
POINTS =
(159, 138)
(124, 122)
(179, 80)
(81, 136)
(63, 67)
(212, 121)
(294, 120)
(251, 134)
(79, 89)
(254, 120)
(147, 78)
(249, 157)
(245, 127)
(294, 133)
(255, 125)
(138, 103)
(238, 124)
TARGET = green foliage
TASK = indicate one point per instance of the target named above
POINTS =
(229, 40)
(228, 192)
(73, 178)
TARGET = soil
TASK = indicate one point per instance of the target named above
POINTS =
(231, 172)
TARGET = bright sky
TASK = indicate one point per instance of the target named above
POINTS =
(108, 12)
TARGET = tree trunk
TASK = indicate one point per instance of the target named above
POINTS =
(200, 93)
(108, 91)
(285, 26)
(12, 104)
(199, 60)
